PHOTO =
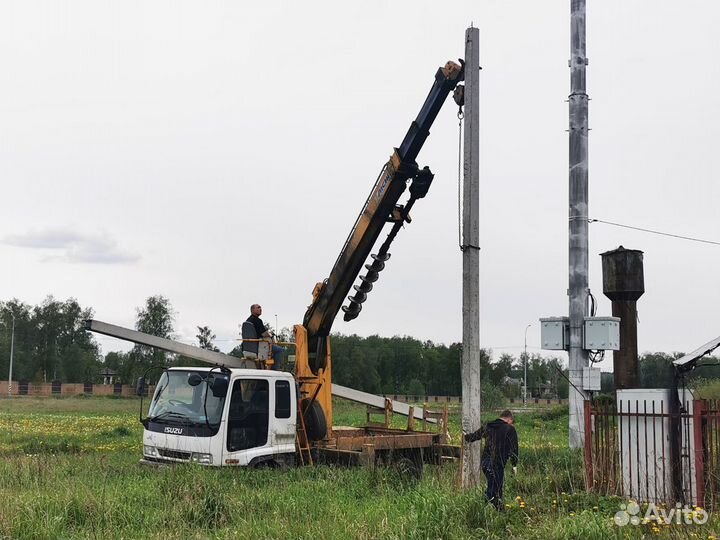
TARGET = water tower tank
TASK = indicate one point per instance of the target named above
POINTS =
(623, 277)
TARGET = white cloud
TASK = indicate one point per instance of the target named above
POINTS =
(74, 247)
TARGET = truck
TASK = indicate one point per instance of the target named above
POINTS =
(241, 412)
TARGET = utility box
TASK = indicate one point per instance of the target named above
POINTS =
(555, 333)
(591, 379)
(601, 333)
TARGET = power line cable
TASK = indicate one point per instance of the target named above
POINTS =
(690, 238)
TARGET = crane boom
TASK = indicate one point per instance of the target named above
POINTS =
(380, 208)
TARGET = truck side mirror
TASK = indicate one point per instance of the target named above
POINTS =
(219, 386)
(140, 388)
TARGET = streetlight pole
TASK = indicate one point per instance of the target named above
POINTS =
(525, 377)
(12, 349)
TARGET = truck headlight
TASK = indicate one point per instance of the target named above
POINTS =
(150, 451)
(203, 459)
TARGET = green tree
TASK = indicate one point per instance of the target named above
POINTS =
(156, 318)
(502, 368)
(656, 369)
(50, 341)
(205, 338)
(122, 363)
(415, 388)
(23, 353)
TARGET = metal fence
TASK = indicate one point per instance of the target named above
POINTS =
(57, 388)
(710, 444)
(408, 398)
(629, 450)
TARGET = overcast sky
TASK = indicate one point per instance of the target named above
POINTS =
(218, 153)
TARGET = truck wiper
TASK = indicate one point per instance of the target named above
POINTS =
(169, 415)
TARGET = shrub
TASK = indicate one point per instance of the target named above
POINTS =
(706, 388)
(491, 397)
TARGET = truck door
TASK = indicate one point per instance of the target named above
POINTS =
(284, 417)
(248, 420)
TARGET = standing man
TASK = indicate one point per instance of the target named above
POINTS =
(262, 332)
(501, 444)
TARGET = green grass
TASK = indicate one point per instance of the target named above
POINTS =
(69, 469)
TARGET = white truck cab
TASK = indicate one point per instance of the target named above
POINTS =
(221, 416)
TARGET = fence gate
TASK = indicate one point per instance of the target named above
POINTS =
(628, 448)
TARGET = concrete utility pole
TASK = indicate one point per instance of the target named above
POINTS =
(525, 359)
(471, 261)
(578, 227)
(12, 349)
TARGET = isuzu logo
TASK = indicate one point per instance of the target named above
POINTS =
(174, 430)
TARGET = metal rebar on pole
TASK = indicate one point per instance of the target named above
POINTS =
(578, 216)
(471, 261)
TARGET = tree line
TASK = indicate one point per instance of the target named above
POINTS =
(405, 365)
(50, 343)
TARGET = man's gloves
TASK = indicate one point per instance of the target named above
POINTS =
(515, 470)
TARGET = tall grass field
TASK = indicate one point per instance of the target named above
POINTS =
(69, 469)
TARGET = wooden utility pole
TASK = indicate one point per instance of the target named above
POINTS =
(471, 261)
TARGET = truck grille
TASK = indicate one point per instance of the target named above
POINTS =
(174, 454)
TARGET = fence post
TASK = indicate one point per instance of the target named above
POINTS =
(588, 446)
(699, 408)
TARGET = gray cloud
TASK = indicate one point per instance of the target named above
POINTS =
(73, 246)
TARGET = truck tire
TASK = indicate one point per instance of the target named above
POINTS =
(315, 424)
(409, 470)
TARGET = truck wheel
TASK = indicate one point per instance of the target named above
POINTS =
(409, 470)
(315, 424)
(265, 464)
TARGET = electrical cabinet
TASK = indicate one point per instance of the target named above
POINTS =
(591, 379)
(601, 334)
(554, 333)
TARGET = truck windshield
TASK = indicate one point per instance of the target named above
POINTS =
(180, 398)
